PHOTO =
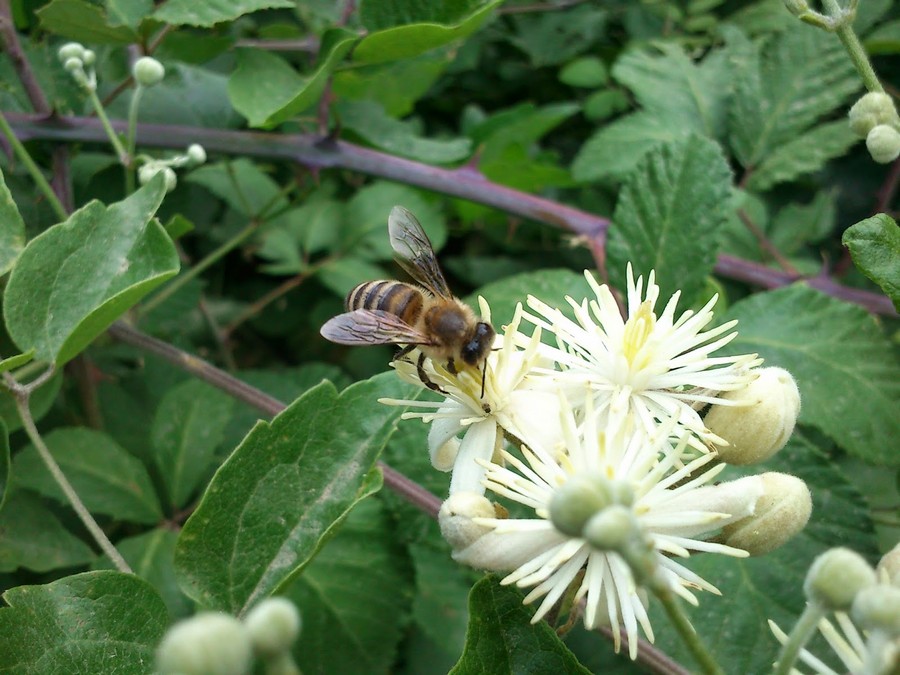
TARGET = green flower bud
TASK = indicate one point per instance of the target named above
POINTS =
(612, 528)
(71, 50)
(763, 421)
(148, 71)
(89, 57)
(878, 608)
(148, 171)
(883, 143)
(455, 518)
(889, 566)
(273, 626)
(209, 643)
(835, 577)
(781, 512)
(170, 178)
(196, 153)
(871, 110)
(74, 65)
(573, 504)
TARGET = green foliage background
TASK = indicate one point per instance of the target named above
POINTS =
(705, 140)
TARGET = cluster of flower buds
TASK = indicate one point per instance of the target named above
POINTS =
(214, 643)
(79, 63)
(193, 156)
(874, 117)
(840, 17)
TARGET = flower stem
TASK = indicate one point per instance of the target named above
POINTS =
(122, 153)
(854, 47)
(22, 394)
(131, 137)
(33, 169)
(685, 630)
(800, 634)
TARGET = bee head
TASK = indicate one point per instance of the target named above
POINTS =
(480, 343)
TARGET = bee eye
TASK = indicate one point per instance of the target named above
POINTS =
(479, 344)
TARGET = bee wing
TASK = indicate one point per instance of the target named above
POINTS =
(414, 252)
(371, 327)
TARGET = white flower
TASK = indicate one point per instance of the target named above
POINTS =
(513, 402)
(652, 367)
(671, 504)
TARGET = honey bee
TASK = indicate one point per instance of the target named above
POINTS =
(428, 316)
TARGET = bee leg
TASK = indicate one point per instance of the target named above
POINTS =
(403, 351)
(420, 369)
(451, 366)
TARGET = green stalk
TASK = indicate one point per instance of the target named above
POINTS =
(688, 635)
(854, 47)
(131, 137)
(124, 157)
(802, 631)
(33, 169)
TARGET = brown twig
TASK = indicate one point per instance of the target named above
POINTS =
(264, 301)
(414, 493)
(766, 244)
(13, 47)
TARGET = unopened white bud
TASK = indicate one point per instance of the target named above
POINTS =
(780, 513)
(889, 566)
(71, 50)
(761, 422)
(147, 172)
(878, 608)
(455, 518)
(883, 143)
(148, 71)
(170, 178)
(207, 643)
(196, 153)
(835, 577)
(871, 110)
(273, 626)
(89, 57)
(73, 65)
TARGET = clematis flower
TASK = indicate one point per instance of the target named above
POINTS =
(515, 402)
(672, 504)
(650, 367)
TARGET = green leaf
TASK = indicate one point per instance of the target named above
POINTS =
(839, 357)
(40, 402)
(669, 215)
(786, 85)
(605, 103)
(551, 286)
(363, 566)
(129, 13)
(429, 26)
(755, 590)
(341, 275)
(520, 126)
(83, 21)
(802, 154)
(75, 279)
(874, 245)
(283, 493)
(210, 12)
(13, 362)
(12, 229)
(96, 622)
(588, 72)
(550, 38)
(501, 638)
(152, 556)
(267, 91)
(290, 238)
(106, 477)
(187, 429)
(242, 185)
(885, 39)
(34, 538)
(369, 120)
(4, 464)
(797, 224)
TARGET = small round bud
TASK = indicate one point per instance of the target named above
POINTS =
(889, 566)
(74, 65)
(611, 529)
(573, 504)
(835, 577)
(455, 518)
(210, 642)
(761, 423)
(170, 178)
(146, 173)
(148, 71)
(871, 110)
(781, 512)
(883, 143)
(196, 153)
(89, 57)
(878, 608)
(273, 626)
(71, 50)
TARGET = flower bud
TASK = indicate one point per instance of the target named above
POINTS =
(196, 153)
(73, 65)
(573, 504)
(89, 57)
(761, 423)
(871, 110)
(835, 577)
(455, 518)
(210, 642)
(170, 178)
(148, 71)
(781, 512)
(889, 566)
(273, 626)
(796, 7)
(878, 608)
(611, 529)
(71, 50)
(883, 143)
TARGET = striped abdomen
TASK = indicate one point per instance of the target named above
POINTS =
(396, 297)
